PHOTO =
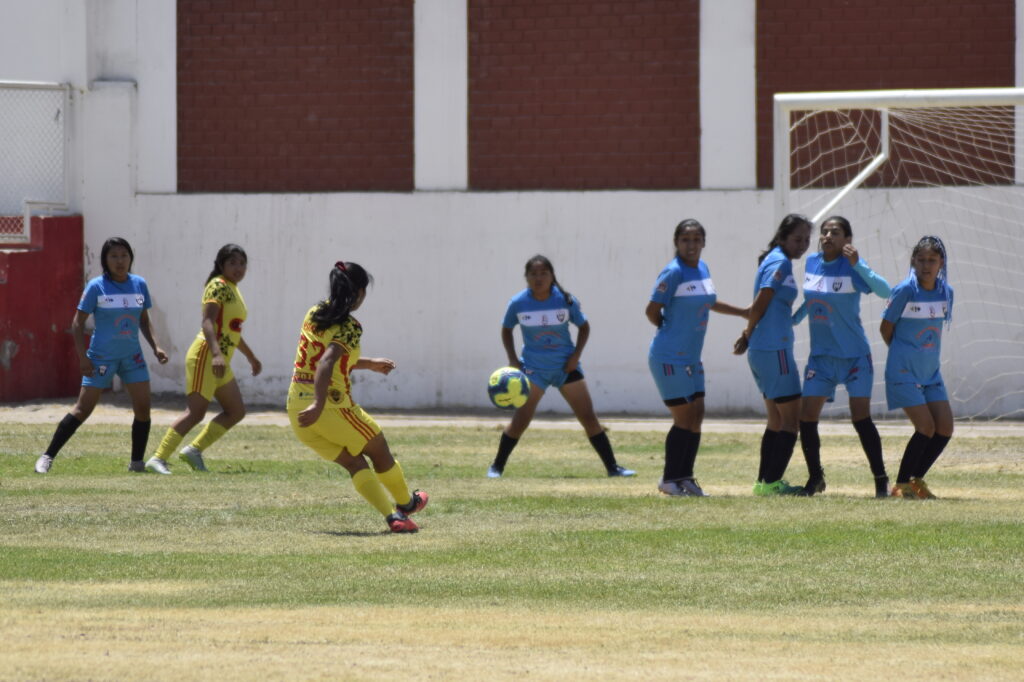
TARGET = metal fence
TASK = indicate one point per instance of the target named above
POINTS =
(33, 154)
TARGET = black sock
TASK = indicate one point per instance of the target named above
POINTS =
(810, 443)
(692, 445)
(604, 450)
(872, 444)
(65, 429)
(912, 456)
(675, 453)
(140, 437)
(785, 441)
(931, 453)
(767, 447)
(505, 447)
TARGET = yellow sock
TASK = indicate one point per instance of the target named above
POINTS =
(394, 480)
(367, 485)
(171, 440)
(210, 434)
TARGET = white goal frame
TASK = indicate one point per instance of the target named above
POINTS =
(881, 101)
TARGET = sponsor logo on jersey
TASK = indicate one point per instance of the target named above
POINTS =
(925, 310)
(823, 283)
(699, 287)
(544, 318)
(120, 301)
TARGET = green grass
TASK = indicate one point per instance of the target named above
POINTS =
(275, 526)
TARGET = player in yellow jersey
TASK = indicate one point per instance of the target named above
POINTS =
(208, 365)
(322, 412)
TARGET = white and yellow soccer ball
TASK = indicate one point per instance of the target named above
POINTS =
(508, 388)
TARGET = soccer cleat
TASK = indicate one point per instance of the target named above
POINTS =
(193, 457)
(400, 523)
(494, 472)
(416, 503)
(920, 489)
(881, 486)
(760, 489)
(672, 489)
(903, 491)
(157, 466)
(621, 472)
(43, 464)
(692, 488)
(137, 466)
(815, 485)
(780, 487)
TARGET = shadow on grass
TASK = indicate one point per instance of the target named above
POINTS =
(352, 533)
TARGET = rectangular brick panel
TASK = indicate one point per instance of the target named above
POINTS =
(295, 96)
(830, 45)
(583, 94)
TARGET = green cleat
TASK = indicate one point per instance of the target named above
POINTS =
(780, 487)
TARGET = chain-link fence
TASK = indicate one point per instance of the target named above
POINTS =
(33, 153)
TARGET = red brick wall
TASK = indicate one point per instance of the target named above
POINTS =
(295, 95)
(815, 45)
(583, 94)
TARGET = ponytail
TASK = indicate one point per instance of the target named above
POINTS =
(347, 281)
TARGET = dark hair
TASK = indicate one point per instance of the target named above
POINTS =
(788, 225)
(111, 243)
(933, 243)
(543, 260)
(347, 280)
(843, 223)
(684, 226)
(226, 252)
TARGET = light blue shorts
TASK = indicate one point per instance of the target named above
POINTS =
(677, 383)
(824, 373)
(774, 372)
(909, 395)
(132, 369)
(545, 378)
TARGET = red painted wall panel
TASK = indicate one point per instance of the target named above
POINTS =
(295, 96)
(583, 94)
(877, 44)
(39, 290)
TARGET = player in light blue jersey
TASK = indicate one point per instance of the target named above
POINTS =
(769, 338)
(544, 311)
(680, 304)
(834, 280)
(119, 303)
(912, 328)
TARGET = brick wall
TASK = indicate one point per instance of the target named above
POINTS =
(295, 96)
(816, 45)
(583, 94)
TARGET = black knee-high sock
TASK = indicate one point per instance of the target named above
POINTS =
(692, 445)
(784, 444)
(912, 456)
(810, 443)
(675, 453)
(604, 450)
(505, 447)
(767, 447)
(872, 444)
(140, 437)
(931, 453)
(65, 429)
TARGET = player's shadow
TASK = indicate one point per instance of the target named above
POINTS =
(351, 533)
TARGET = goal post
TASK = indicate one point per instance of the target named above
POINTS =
(901, 164)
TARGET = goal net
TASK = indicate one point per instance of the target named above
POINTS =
(904, 164)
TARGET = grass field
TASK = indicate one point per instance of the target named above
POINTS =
(271, 567)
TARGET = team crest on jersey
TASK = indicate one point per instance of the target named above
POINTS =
(689, 370)
(335, 395)
(102, 370)
(561, 316)
(837, 284)
(663, 287)
(810, 374)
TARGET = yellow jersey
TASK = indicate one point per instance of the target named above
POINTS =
(312, 346)
(230, 317)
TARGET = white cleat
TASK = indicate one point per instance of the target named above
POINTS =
(193, 457)
(157, 466)
(43, 464)
(494, 472)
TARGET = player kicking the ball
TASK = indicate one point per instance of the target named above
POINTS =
(320, 406)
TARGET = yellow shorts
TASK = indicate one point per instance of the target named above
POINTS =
(199, 372)
(337, 429)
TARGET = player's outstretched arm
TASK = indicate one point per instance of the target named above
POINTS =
(729, 309)
(381, 365)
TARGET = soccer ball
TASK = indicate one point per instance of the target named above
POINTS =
(508, 388)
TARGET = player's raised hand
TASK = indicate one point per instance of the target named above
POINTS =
(850, 251)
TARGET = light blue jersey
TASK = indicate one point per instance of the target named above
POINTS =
(686, 295)
(918, 315)
(116, 308)
(547, 343)
(832, 291)
(774, 331)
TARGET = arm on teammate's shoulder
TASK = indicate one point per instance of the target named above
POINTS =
(729, 309)
(800, 314)
(878, 285)
(653, 311)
